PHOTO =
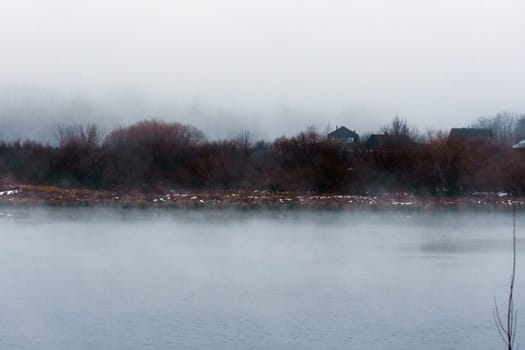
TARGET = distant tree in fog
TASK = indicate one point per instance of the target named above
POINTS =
(399, 127)
(244, 139)
(88, 135)
(506, 127)
(150, 152)
(77, 160)
(155, 132)
(519, 130)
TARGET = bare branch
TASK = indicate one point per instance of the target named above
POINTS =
(508, 331)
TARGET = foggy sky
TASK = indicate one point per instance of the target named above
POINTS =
(271, 66)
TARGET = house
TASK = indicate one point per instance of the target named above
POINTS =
(345, 135)
(470, 133)
(388, 142)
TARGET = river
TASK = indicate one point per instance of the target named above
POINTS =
(203, 279)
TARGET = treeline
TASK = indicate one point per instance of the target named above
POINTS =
(152, 155)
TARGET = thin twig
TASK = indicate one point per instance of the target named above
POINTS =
(508, 331)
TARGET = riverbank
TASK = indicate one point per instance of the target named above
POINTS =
(28, 195)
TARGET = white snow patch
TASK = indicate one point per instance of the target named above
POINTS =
(9, 192)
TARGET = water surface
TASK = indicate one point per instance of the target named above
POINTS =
(94, 279)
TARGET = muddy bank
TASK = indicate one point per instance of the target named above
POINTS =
(25, 195)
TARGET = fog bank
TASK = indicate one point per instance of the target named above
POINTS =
(273, 67)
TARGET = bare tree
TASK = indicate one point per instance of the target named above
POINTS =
(63, 133)
(507, 327)
(506, 127)
(244, 139)
(89, 135)
(519, 130)
(398, 127)
(155, 132)
(433, 135)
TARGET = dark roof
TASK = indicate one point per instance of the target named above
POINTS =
(471, 132)
(344, 133)
(387, 141)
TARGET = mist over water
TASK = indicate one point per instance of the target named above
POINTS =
(153, 279)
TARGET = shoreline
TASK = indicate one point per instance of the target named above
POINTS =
(32, 195)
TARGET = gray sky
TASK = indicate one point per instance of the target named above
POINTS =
(274, 66)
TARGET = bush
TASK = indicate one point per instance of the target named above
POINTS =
(154, 154)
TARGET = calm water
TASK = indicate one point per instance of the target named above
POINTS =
(92, 279)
